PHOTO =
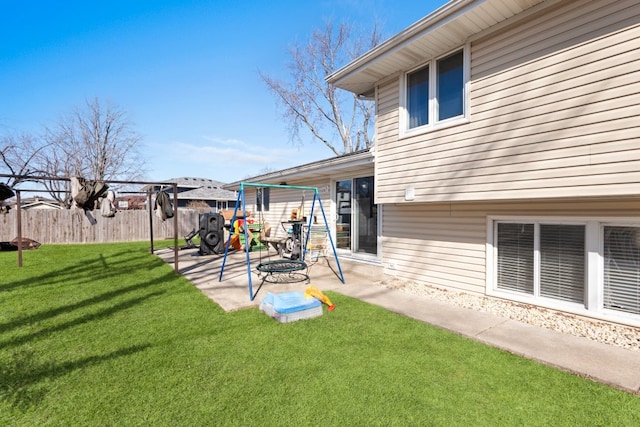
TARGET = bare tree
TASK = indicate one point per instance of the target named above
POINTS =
(309, 102)
(96, 142)
(18, 154)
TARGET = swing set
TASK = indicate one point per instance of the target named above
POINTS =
(292, 264)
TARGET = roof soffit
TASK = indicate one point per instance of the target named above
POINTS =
(319, 170)
(435, 34)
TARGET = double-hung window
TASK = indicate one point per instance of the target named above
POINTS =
(435, 92)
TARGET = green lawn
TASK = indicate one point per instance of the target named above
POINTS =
(107, 335)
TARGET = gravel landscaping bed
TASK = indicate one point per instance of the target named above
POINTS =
(608, 333)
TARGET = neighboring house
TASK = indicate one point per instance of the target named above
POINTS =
(40, 203)
(131, 202)
(198, 190)
(508, 151)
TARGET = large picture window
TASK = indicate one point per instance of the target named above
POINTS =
(435, 92)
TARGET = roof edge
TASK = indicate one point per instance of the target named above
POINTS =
(364, 155)
(431, 20)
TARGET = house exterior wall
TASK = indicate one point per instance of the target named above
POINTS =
(550, 139)
(445, 244)
(552, 112)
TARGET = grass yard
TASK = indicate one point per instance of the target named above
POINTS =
(107, 335)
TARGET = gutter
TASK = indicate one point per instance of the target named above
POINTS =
(435, 19)
(352, 159)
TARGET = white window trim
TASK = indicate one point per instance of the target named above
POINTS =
(594, 246)
(376, 258)
(404, 131)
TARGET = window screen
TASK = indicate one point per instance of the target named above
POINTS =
(622, 269)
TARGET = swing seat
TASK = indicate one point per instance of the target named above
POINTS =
(283, 271)
(278, 243)
(281, 266)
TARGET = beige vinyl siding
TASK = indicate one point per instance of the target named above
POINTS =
(444, 244)
(431, 244)
(387, 103)
(554, 112)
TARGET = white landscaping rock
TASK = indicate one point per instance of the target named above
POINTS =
(608, 333)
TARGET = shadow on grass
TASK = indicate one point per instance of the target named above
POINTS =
(109, 267)
(21, 376)
(47, 314)
(80, 320)
(111, 282)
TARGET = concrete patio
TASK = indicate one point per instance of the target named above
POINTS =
(232, 292)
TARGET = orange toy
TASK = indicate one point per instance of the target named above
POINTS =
(313, 292)
(238, 228)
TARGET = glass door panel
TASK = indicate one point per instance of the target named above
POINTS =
(365, 217)
(343, 215)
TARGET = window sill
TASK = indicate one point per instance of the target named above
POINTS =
(456, 121)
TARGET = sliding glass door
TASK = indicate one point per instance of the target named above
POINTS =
(356, 216)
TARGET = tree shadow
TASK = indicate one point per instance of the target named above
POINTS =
(47, 314)
(78, 321)
(22, 375)
(108, 267)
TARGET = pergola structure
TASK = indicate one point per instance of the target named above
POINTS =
(55, 178)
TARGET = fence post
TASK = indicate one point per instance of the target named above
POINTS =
(19, 224)
(175, 229)
(150, 210)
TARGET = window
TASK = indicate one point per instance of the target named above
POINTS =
(586, 266)
(450, 86)
(544, 259)
(515, 257)
(622, 269)
(435, 92)
(418, 97)
(262, 199)
(562, 262)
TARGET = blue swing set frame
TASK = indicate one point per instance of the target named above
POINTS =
(240, 201)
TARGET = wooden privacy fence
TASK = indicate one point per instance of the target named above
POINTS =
(72, 226)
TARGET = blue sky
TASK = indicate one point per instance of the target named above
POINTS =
(185, 72)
